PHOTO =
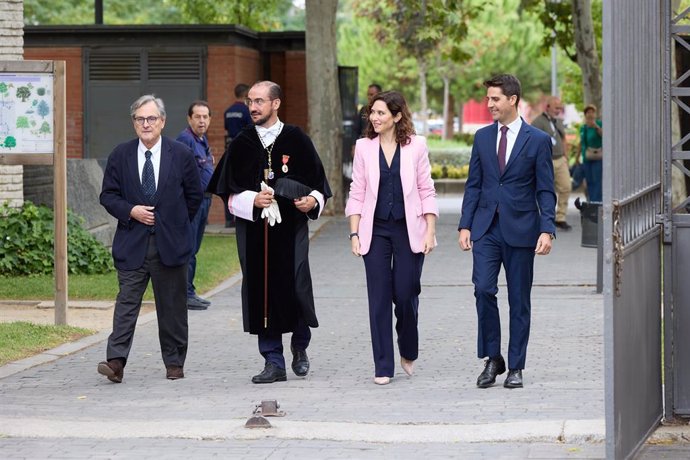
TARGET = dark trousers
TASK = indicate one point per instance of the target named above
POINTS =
(271, 345)
(169, 290)
(197, 234)
(489, 253)
(393, 277)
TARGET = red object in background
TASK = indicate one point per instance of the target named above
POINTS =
(476, 112)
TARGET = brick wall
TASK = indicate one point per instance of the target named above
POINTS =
(227, 66)
(74, 83)
(11, 45)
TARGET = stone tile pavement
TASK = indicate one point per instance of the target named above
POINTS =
(59, 407)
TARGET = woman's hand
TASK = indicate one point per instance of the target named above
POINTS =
(354, 244)
(429, 242)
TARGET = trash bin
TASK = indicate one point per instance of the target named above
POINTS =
(589, 218)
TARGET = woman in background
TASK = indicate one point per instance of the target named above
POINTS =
(590, 138)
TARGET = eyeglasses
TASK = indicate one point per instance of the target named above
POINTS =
(141, 120)
(258, 102)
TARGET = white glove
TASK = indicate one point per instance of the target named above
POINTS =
(272, 212)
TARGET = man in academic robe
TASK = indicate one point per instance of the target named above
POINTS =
(277, 294)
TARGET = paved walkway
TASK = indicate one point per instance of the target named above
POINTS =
(62, 408)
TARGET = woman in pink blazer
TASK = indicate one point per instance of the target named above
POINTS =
(392, 210)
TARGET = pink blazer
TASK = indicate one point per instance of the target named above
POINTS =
(419, 193)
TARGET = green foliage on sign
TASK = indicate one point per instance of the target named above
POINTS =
(23, 93)
(10, 142)
(22, 122)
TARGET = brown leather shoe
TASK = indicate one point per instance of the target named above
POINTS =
(113, 369)
(174, 372)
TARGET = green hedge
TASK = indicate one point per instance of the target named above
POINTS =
(27, 244)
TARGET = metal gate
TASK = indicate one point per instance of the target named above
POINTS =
(635, 135)
(677, 224)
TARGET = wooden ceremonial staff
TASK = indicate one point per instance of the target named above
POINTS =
(265, 272)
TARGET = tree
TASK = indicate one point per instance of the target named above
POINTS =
(323, 95)
(45, 128)
(264, 15)
(420, 25)
(3, 89)
(43, 109)
(10, 142)
(570, 25)
(23, 92)
(22, 122)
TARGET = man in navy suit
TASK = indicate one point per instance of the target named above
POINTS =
(507, 217)
(151, 186)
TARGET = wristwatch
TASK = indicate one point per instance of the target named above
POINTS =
(552, 235)
(352, 235)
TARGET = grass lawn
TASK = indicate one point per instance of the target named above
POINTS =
(21, 339)
(216, 261)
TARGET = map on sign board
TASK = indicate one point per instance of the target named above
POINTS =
(26, 113)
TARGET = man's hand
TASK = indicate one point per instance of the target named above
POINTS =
(464, 240)
(543, 244)
(263, 198)
(143, 214)
(305, 203)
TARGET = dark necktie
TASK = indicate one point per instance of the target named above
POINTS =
(502, 146)
(148, 180)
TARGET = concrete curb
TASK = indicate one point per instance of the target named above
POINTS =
(564, 431)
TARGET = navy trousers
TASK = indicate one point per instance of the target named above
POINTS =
(393, 277)
(489, 253)
(271, 345)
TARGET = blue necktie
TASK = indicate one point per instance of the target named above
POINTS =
(148, 180)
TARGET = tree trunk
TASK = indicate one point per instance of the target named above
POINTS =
(323, 95)
(423, 103)
(461, 121)
(447, 132)
(587, 55)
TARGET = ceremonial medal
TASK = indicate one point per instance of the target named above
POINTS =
(285, 160)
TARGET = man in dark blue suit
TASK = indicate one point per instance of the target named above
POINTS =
(508, 213)
(151, 186)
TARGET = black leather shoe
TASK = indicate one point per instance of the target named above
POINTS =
(514, 379)
(564, 226)
(300, 362)
(492, 368)
(195, 303)
(199, 299)
(270, 374)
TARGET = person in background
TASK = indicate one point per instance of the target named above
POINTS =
(194, 137)
(591, 137)
(236, 118)
(363, 120)
(277, 295)
(151, 186)
(392, 209)
(507, 217)
(550, 122)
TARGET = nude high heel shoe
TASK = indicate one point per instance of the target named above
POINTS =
(407, 365)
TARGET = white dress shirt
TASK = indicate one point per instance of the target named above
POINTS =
(513, 130)
(155, 158)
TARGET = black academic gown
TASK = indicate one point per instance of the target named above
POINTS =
(290, 295)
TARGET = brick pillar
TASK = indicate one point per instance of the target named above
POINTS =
(11, 49)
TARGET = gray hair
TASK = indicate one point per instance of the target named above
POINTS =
(145, 99)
